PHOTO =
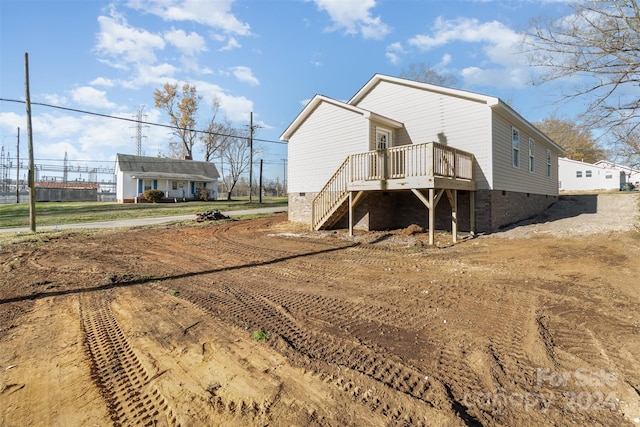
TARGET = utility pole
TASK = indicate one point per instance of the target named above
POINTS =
(260, 190)
(250, 155)
(32, 182)
(284, 176)
(18, 168)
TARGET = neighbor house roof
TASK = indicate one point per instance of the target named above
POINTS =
(163, 168)
(615, 165)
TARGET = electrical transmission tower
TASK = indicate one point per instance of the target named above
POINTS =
(65, 171)
(139, 116)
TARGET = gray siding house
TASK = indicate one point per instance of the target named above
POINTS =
(178, 179)
(385, 158)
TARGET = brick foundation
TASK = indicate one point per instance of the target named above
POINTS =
(382, 210)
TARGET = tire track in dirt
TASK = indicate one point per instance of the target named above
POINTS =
(117, 371)
(315, 350)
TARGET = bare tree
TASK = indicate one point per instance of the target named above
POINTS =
(236, 155)
(181, 108)
(577, 141)
(217, 134)
(598, 48)
(426, 74)
(627, 144)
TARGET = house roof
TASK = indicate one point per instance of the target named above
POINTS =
(163, 168)
(318, 99)
(491, 101)
(616, 166)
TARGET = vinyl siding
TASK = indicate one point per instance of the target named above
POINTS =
(322, 143)
(597, 181)
(430, 116)
(509, 178)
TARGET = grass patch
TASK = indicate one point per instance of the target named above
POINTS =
(54, 213)
(260, 335)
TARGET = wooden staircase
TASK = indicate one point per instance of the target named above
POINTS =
(331, 203)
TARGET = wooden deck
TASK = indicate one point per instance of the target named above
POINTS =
(431, 166)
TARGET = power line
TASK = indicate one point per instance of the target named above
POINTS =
(75, 110)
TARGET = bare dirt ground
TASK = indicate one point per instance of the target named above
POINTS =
(535, 325)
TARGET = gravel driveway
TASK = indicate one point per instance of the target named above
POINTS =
(581, 214)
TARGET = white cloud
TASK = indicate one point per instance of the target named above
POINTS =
(102, 81)
(354, 17)
(91, 97)
(189, 44)
(215, 14)
(232, 43)
(500, 45)
(235, 108)
(244, 74)
(120, 44)
(394, 52)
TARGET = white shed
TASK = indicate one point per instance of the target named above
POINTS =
(178, 179)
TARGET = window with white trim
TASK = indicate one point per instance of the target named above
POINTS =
(515, 147)
(549, 163)
(578, 174)
(532, 156)
(588, 174)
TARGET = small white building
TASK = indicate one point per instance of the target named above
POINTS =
(630, 175)
(574, 175)
(178, 179)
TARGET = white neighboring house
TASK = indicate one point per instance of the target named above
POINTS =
(630, 175)
(178, 179)
(574, 175)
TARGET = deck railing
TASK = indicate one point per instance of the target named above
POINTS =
(415, 160)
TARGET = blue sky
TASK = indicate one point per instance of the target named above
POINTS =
(266, 57)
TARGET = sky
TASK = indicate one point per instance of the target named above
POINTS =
(266, 57)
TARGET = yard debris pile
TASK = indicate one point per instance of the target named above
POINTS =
(211, 216)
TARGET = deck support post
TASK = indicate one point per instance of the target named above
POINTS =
(472, 213)
(350, 213)
(432, 216)
(452, 195)
(431, 202)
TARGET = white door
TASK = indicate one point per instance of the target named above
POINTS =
(383, 139)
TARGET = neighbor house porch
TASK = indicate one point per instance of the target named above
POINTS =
(432, 167)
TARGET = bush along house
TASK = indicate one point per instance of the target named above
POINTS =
(401, 152)
(180, 180)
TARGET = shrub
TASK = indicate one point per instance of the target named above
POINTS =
(153, 196)
(202, 194)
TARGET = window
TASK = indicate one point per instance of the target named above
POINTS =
(532, 156)
(515, 146)
(549, 163)
(174, 185)
(578, 174)
(588, 174)
(608, 176)
(148, 184)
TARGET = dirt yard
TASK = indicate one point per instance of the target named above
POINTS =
(255, 323)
